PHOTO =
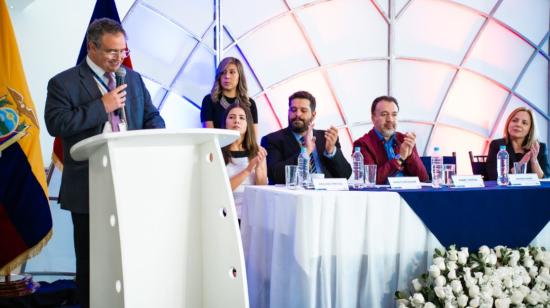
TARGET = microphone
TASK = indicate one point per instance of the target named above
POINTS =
(120, 75)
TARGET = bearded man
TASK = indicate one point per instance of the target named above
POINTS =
(283, 146)
(393, 152)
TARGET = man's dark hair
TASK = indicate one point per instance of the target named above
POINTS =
(101, 26)
(386, 98)
(306, 95)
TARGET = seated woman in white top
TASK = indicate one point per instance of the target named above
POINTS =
(244, 158)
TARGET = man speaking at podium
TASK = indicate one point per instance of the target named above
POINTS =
(85, 101)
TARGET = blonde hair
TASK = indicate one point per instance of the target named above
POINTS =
(531, 137)
(242, 88)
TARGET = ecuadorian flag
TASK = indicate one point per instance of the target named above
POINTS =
(25, 219)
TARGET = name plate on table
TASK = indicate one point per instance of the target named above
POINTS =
(467, 181)
(526, 179)
(404, 182)
(330, 184)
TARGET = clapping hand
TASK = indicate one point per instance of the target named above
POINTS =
(309, 139)
(331, 135)
(257, 161)
(407, 146)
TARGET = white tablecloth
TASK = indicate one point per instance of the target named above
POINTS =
(332, 249)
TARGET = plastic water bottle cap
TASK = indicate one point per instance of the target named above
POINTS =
(503, 147)
(303, 150)
(436, 149)
(357, 149)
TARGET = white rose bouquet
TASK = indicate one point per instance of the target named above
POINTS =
(499, 277)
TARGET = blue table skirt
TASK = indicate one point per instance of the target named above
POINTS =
(471, 217)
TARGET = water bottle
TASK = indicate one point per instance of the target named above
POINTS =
(358, 180)
(437, 168)
(502, 166)
(303, 168)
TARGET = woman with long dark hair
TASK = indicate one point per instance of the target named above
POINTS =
(244, 158)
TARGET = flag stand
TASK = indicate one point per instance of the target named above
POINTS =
(17, 285)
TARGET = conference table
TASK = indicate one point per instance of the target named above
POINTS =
(307, 248)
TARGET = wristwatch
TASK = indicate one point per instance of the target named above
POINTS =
(401, 160)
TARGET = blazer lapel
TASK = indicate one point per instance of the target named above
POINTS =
(87, 81)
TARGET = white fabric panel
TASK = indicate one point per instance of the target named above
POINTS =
(546, 47)
(357, 84)
(335, 27)
(178, 113)
(484, 6)
(192, 80)
(499, 54)
(436, 30)
(534, 84)
(473, 103)
(278, 51)
(241, 16)
(530, 18)
(330, 249)
(198, 15)
(422, 132)
(253, 87)
(266, 117)
(420, 87)
(461, 142)
(158, 57)
(156, 91)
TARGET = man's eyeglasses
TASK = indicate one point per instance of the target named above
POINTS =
(116, 53)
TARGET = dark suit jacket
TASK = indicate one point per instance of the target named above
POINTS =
(374, 153)
(74, 111)
(283, 149)
(494, 147)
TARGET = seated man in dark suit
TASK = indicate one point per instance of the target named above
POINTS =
(393, 152)
(283, 146)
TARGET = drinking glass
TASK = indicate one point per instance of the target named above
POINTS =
(291, 176)
(449, 170)
(370, 175)
(520, 168)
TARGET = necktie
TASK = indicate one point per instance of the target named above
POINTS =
(114, 119)
(312, 168)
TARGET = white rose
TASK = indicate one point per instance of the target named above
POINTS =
(451, 274)
(528, 261)
(452, 255)
(429, 305)
(440, 281)
(462, 257)
(451, 265)
(533, 298)
(498, 250)
(403, 302)
(514, 258)
(473, 291)
(440, 262)
(524, 290)
(416, 285)
(492, 259)
(508, 282)
(484, 250)
(516, 297)
(439, 292)
(474, 302)
(533, 271)
(456, 286)
(546, 258)
(417, 299)
(497, 291)
(434, 271)
(502, 303)
(462, 300)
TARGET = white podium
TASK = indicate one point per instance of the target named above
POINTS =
(163, 226)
